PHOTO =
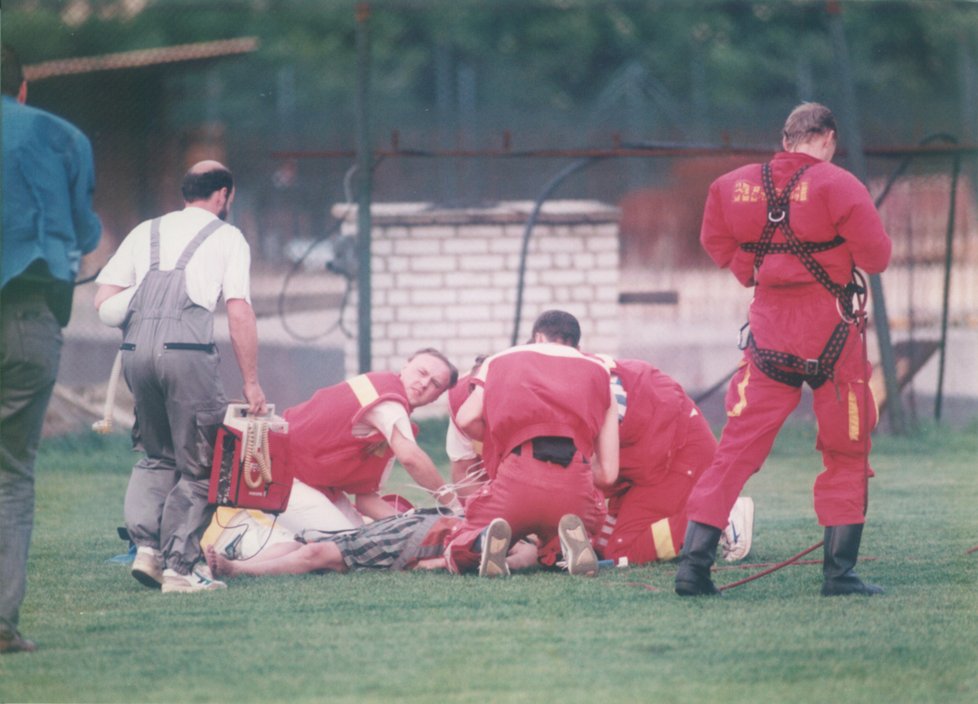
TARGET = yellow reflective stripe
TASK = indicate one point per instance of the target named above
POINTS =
(741, 395)
(662, 539)
(363, 389)
(876, 407)
(853, 414)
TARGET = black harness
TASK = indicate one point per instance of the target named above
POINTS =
(782, 366)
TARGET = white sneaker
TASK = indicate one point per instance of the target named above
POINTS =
(736, 537)
(576, 546)
(495, 548)
(199, 580)
(147, 566)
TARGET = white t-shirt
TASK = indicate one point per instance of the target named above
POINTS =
(384, 417)
(458, 445)
(220, 265)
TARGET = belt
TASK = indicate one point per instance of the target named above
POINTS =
(189, 346)
(556, 450)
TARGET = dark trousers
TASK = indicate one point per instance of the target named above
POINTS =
(30, 347)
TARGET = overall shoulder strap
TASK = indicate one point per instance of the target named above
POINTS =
(208, 229)
(154, 244)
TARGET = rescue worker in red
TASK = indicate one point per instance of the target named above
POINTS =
(664, 445)
(551, 435)
(794, 229)
(345, 438)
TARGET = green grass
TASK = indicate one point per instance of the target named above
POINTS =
(538, 637)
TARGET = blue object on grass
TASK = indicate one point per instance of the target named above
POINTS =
(125, 558)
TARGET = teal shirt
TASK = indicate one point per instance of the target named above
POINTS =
(48, 181)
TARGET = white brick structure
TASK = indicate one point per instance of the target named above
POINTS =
(447, 278)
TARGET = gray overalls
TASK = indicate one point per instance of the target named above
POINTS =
(171, 365)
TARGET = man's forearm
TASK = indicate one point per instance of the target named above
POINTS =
(244, 338)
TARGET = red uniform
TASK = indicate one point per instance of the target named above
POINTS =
(665, 445)
(535, 391)
(326, 453)
(793, 315)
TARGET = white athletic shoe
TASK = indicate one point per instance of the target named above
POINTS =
(576, 546)
(495, 548)
(147, 566)
(199, 580)
(736, 537)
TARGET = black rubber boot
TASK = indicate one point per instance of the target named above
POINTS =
(841, 550)
(697, 556)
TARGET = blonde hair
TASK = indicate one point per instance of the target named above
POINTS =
(432, 352)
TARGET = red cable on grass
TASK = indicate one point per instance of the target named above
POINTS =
(776, 567)
(974, 549)
(758, 565)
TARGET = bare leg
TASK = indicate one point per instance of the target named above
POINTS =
(302, 558)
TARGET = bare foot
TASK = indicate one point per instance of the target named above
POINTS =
(220, 565)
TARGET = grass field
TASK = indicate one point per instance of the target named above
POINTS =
(538, 637)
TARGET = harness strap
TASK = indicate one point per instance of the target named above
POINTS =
(793, 370)
(777, 210)
(786, 248)
(779, 218)
(782, 366)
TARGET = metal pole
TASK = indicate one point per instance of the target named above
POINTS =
(857, 159)
(365, 183)
(946, 301)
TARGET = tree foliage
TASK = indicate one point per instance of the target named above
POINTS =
(725, 64)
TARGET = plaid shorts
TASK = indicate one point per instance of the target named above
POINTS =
(388, 543)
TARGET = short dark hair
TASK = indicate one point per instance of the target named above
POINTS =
(559, 326)
(12, 72)
(201, 185)
(805, 120)
(452, 369)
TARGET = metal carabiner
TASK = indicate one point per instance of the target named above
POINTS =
(743, 341)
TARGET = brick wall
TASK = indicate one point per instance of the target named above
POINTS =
(447, 278)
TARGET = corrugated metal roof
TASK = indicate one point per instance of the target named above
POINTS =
(141, 58)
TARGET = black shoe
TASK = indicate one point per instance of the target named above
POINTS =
(16, 643)
(697, 556)
(841, 551)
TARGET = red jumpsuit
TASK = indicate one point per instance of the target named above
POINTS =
(325, 452)
(793, 313)
(665, 445)
(531, 391)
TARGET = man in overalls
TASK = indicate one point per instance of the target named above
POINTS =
(794, 229)
(180, 264)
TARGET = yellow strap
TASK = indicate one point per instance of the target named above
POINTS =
(741, 394)
(662, 539)
(853, 414)
(363, 389)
